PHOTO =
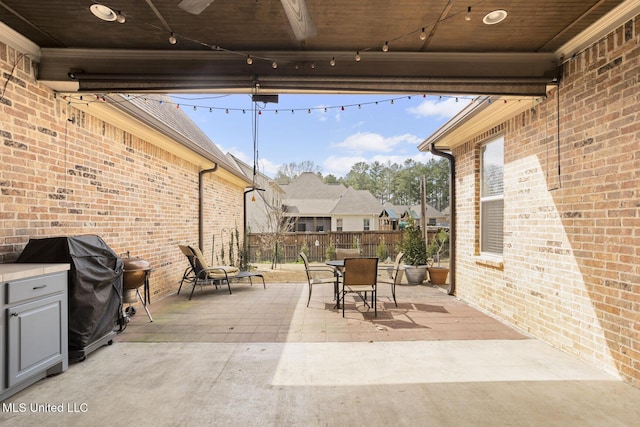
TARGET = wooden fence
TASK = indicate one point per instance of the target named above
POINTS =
(318, 243)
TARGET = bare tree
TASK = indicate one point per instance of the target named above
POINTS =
(273, 229)
(290, 171)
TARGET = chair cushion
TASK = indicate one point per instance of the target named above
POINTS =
(216, 272)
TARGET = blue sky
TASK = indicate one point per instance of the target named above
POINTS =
(368, 128)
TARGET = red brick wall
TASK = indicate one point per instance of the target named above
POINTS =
(62, 178)
(570, 272)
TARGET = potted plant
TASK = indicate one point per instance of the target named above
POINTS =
(415, 254)
(439, 243)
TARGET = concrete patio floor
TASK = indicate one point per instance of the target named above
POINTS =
(260, 357)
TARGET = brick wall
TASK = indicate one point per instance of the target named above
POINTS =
(570, 272)
(65, 172)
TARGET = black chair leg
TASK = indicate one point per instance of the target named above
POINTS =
(309, 299)
(393, 292)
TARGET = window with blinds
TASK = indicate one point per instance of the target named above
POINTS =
(492, 197)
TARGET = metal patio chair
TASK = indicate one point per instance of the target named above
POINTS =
(360, 276)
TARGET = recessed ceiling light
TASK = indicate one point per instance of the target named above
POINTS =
(494, 17)
(103, 12)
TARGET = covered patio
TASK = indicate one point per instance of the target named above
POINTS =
(261, 357)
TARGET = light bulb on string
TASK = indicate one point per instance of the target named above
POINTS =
(333, 61)
(274, 65)
(423, 34)
(249, 60)
(358, 56)
(173, 39)
(385, 47)
(120, 18)
(467, 16)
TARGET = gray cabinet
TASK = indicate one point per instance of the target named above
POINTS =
(34, 329)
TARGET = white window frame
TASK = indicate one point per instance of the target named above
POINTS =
(339, 225)
(366, 224)
(491, 243)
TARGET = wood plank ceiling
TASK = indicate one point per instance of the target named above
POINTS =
(431, 46)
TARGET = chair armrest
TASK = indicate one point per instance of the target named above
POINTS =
(321, 268)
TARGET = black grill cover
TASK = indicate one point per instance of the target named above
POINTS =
(95, 284)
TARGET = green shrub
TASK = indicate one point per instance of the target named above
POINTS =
(413, 245)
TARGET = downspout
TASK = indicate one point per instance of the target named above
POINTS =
(201, 205)
(452, 210)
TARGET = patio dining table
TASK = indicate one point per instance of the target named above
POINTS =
(338, 267)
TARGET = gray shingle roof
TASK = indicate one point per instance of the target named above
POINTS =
(357, 202)
(309, 195)
(308, 185)
(160, 112)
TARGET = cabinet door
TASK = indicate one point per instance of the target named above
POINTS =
(34, 337)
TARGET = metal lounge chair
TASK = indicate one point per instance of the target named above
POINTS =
(200, 273)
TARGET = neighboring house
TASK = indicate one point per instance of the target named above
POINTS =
(127, 168)
(389, 219)
(264, 203)
(394, 217)
(547, 211)
(316, 206)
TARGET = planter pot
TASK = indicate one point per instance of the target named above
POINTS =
(415, 274)
(438, 275)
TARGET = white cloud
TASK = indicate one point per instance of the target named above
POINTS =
(439, 109)
(268, 167)
(341, 165)
(321, 113)
(367, 141)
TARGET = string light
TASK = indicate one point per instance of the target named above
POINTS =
(173, 39)
(77, 99)
(333, 61)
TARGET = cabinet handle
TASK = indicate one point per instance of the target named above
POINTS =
(15, 314)
(39, 287)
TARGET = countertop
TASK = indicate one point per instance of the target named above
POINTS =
(17, 271)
